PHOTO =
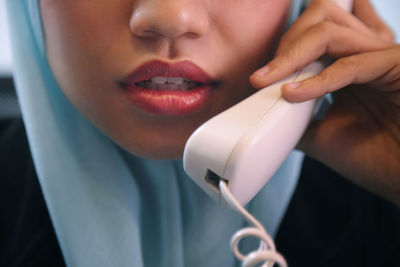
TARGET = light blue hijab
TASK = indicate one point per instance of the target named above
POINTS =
(110, 208)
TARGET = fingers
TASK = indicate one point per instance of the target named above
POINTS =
(320, 11)
(355, 69)
(364, 10)
(326, 29)
(322, 38)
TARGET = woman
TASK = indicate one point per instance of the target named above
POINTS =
(107, 129)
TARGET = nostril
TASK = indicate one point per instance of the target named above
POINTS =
(141, 26)
(168, 20)
(157, 27)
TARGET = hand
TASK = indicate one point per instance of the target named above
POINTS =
(360, 135)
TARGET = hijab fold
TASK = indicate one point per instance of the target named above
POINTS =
(111, 208)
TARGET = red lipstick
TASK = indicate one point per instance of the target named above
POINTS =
(171, 89)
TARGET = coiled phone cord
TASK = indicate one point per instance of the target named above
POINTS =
(266, 252)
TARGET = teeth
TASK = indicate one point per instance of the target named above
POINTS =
(171, 83)
(168, 80)
(175, 80)
(159, 80)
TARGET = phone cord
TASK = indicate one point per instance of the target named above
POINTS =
(266, 253)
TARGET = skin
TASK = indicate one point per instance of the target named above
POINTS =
(360, 135)
(89, 53)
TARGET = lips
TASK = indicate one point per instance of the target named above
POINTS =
(171, 89)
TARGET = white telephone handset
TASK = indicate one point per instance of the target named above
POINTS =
(246, 144)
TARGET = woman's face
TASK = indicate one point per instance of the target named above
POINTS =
(149, 72)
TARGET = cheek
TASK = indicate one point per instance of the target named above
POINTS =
(87, 52)
(247, 35)
(253, 27)
(82, 47)
(78, 38)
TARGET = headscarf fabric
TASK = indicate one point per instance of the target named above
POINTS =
(111, 208)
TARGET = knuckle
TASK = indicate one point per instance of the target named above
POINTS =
(347, 62)
(288, 59)
(323, 76)
(325, 30)
(387, 34)
(283, 58)
(318, 4)
(324, 27)
(286, 54)
(292, 55)
(320, 7)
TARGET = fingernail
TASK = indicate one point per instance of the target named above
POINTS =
(262, 72)
(292, 86)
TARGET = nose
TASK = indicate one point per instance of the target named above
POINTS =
(169, 19)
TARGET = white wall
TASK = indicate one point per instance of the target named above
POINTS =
(391, 9)
(5, 57)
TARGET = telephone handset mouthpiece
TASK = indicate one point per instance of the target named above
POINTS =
(246, 144)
